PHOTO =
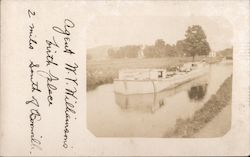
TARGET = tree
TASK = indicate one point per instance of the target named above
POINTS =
(195, 42)
(111, 53)
(170, 50)
(160, 48)
(149, 51)
(228, 52)
(180, 47)
(130, 51)
(159, 43)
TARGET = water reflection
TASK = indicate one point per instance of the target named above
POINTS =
(197, 93)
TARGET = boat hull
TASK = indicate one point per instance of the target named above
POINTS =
(128, 87)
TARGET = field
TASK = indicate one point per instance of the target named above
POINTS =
(104, 71)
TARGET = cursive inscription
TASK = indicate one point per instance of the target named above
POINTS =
(49, 51)
(34, 116)
(32, 37)
(44, 78)
(70, 97)
(65, 31)
(34, 85)
(33, 103)
(51, 87)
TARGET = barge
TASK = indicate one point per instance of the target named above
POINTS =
(148, 81)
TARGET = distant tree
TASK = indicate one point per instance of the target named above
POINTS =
(129, 51)
(228, 52)
(149, 51)
(111, 53)
(160, 48)
(159, 43)
(180, 47)
(170, 50)
(132, 51)
(119, 53)
(196, 41)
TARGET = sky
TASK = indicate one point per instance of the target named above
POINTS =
(134, 30)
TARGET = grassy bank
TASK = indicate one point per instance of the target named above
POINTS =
(188, 127)
(104, 71)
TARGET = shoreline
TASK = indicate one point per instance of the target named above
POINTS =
(218, 126)
(202, 117)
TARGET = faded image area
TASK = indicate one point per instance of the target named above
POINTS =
(159, 76)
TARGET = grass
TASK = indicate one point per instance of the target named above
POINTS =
(188, 127)
(101, 72)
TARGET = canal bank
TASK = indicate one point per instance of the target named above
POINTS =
(212, 120)
(218, 126)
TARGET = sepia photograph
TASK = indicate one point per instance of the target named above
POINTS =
(159, 76)
(125, 78)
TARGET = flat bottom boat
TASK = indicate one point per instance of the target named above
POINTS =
(146, 81)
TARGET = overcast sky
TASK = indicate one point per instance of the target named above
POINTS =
(124, 30)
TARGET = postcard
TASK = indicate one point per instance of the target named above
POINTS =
(125, 78)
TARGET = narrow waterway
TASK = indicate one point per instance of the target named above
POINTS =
(107, 116)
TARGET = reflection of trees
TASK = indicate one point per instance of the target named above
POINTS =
(197, 92)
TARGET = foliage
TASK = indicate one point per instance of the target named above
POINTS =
(160, 49)
(195, 42)
(149, 52)
(129, 51)
(226, 52)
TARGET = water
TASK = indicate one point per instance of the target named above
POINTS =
(113, 115)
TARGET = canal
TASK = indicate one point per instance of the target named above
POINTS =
(114, 115)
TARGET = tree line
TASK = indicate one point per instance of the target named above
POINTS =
(194, 43)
